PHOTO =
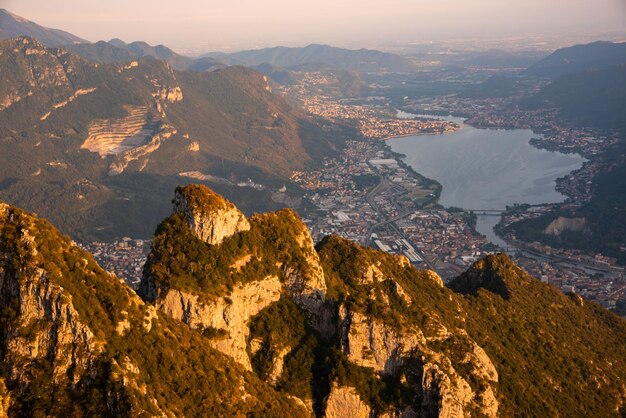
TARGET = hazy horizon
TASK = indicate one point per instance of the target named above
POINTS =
(196, 25)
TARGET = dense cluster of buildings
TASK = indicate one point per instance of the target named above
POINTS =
(445, 238)
(124, 258)
(593, 276)
(503, 113)
(374, 122)
(395, 214)
(369, 196)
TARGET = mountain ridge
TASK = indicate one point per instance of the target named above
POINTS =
(106, 132)
(347, 59)
(374, 315)
(257, 316)
(579, 58)
(119, 51)
(12, 26)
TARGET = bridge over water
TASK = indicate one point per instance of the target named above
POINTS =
(487, 212)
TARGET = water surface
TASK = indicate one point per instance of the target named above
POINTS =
(487, 168)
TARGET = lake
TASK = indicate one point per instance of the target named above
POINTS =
(486, 168)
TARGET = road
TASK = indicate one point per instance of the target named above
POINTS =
(382, 187)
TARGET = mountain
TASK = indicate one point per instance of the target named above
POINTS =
(94, 147)
(347, 59)
(101, 51)
(141, 49)
(205, 64)
(278, 74)
(590, 98)
(120, 52)
(244, 316)
(12, 26)
(75, 341)
(579, 58)
(494, 86)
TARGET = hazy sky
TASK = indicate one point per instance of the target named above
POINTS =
(237, 24)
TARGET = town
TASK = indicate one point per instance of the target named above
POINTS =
(369, 195)
(124, 258)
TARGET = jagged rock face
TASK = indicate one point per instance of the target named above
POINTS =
(446, 394)
(229, 314)
(41, 69)
(308, 289)
(369, 342)
(61, 333)
(345, 402)
(211, 217)
(5, 400)
(170, 94)
(443, 396)
(75, 341)
(45, 324)
(434, 277)
(278, 365)
(40, 324)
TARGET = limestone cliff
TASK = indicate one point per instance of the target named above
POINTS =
(44, 325)
(296, 270)
(345, 402)
(228, 315)
(211, 217)
(251, 319)
(369, 342)
(347, 330)
(75, 341)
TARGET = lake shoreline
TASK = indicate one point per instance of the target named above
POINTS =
(498, 166)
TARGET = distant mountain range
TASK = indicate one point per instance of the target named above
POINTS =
(347, 59)
(590, 98)
(91, 146)
(12, 26)
(117, 50)
(579, 58)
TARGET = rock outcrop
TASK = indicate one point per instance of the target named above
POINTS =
(563, 224)
(345, 402)
(369, 342)
(44, 324)
(211, 217)
(75, 341)
(5, 400)
(227, 317)
(306, 282)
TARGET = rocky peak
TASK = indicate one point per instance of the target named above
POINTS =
(210, 216)
(29, 46)
(340, 329)
(495, 273)
(75, 341)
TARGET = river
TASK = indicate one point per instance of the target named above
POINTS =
(486, 168)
